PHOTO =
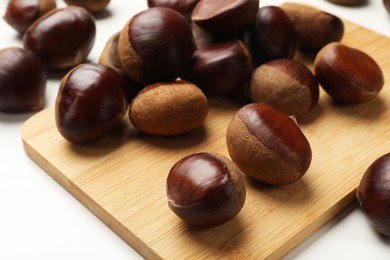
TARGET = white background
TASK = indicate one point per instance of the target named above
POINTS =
(41, 220)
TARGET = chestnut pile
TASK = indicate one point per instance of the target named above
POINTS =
(49, 43)
(168, 61)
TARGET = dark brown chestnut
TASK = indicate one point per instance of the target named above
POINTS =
(221, 68)
(373, 193)
(110, 57)
(20, 14)
(229, 17)
(90, 103)
(205, 189)
(286, 85)
(169, 108)
(314, 28)
(184, 7)
(271, 36)
(62, 38)
(268, 145)
(160, 55)
(93, 6)
(347, 74)
(22, 80)
(386, 3)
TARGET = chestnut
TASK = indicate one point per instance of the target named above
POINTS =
(271, 36)
(20, 14)
(230, 17)
(160, 55)
(373, 194)
(286, 85)
(169, 108)
(347, 74)
(93, 6)
(386, 4)
(221, 68)
(22, 80)
(110, 57)
(90, 103)
(314, 28)
(205, 189)
(183, 7)
(62, 38)
(268, 145)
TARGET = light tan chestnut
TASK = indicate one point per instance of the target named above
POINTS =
(168, 109)
(347, 74)
(268, 145)
(314, 28)
(286, 85)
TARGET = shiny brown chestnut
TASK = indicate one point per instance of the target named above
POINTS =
(169, 108)
(314, 28)
(373, 194)
(268, 145)
(286, 85)
(20, 14)
(160, 55)
(386, 3)
(183, 7)
(90, 103)
(205, 189)
(221, 68)
(93, 6)
(347, 74)
(271, 36)
(110, 57)
(229, 17)
(62, 38)
(22, 80)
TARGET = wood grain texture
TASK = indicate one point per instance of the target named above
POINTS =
(122, 177)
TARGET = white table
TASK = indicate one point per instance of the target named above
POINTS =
(40, 220)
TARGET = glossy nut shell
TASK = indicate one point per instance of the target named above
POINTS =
(205, 189)
(183, 7)
(220, 68)
(347, 74)
(267, 145)
(271, 36)
(20, 14)
(62, 38)
(22, 80)
(373, 194)
(160, 55)
(90, 103)
(229, 17)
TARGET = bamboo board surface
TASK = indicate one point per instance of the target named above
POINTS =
(121, 178)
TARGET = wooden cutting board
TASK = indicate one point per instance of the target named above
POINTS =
(122, 177)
